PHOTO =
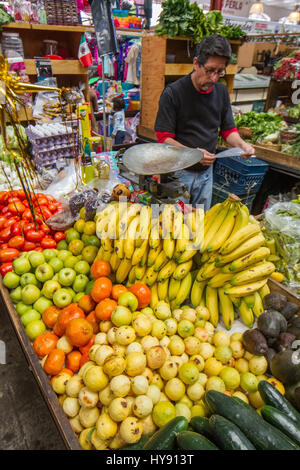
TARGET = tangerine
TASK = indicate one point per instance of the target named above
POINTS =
(45, 343)
(86, 303)
(105, 308)
(50, 315)
(117, 290)
(54, 362)
(73, 360)
(101, 289)
(100, 268)
(79, 331)
(92, 319)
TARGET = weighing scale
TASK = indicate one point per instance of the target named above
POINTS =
(141, 162)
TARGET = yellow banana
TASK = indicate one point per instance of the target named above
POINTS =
(197, 258)
(249, 299)
(182, 270)
(174, 285)
(186, 256)
(145, 225)
(245, 209)
(160, 261)
(131, 275)
(139, 252)
(143, 261)
(199, 274)
(264, 290)
(130, 237)
(150, 276)
(214, 227)
(211, 214)
(184, 289)
(114, 261)
(119, 247)
(100, 253)
(167, 270)
(153, 254)
(119, 210)
(226, 308)
(258, 307)
(190, 221)
(140, 271)
(198, 229)
(211, 301)
(108, 245)
(131, 213)
(182, 241)
(177, 225)
(169, 247)
(123, 270)
(244, 289)
(226, 269)
(102, 227)
(247, 247)
(155, 233)
(224, 231)
(251, 258)
(253, 273)
(162, 289)
(167, 220)
(239, 238)
(235, 300)
(219, 280)
(241, 220)
(154, 295)
(197, 292)
(246, 314)
(210, 271)
(107, 255)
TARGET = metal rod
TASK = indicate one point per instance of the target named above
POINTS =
(104, 111)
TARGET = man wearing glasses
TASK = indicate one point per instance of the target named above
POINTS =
(192, 111)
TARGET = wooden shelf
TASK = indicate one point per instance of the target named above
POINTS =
(184, 69)
(59, 67)
(274, 156)
(47, 27)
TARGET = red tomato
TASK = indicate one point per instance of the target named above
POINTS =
(52, 206)
(28, 246)
(16, 242)
(4, 245)
(8, 254)
(5, 234)
(45, 212)
(5, 210)
(45, 229)
(58, 236)
(38, 248)
(28, 226)
(48, 243)
(13, 199)
(42, 201)
(33, 235)
(4, 195)
(27, 214)
(16, 207)
(5, 268)
(11, 222)
(16, 229)
(20, 194)
(3, 222)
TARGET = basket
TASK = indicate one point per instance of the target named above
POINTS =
(220, 194)
(239, 175)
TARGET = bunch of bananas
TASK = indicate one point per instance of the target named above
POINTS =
(218, 259)
(155, 249)
(234, 265)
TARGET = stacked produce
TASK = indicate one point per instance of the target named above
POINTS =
(287, 68)
(225, 263)
(261, 127)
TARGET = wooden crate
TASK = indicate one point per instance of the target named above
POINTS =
(274, 156)
(164, 60)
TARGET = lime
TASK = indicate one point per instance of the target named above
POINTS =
(188, 373)
(249, 382)
(215, 383)
(163, 412)
(223, 354)
(231, 377)
(62, 245)
(91, 240)
(72, 234)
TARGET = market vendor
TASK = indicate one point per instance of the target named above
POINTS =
(193, 109)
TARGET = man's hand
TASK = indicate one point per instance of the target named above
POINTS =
(208, 159)
(248, 149)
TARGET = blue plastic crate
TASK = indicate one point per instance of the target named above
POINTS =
(239, 175)
(220, 194)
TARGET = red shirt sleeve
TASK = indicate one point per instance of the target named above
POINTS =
(162, 136)
(225, 134)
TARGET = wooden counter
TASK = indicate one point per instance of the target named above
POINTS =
(278, 160)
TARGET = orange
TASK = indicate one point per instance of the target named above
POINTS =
(79, 331)
(105, 308)
(92, 319)
(101, 289)
(68, 314)
(54, 362)
(117, 290)
(73, 360)
(100, 268)
(86, 303)
(45, 343)
(50, 316)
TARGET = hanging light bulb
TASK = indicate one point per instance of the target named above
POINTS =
(294, 17)
(257, 12)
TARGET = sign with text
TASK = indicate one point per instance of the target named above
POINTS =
(236, 7)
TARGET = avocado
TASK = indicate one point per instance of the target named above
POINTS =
(255, 342)
(271, 323)
(274, 300)
(285, 366)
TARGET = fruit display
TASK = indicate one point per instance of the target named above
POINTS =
(218, 260)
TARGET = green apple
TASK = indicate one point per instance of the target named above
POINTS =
(62, 298)
(62, 245)
(44, 272)
(36, 258)
(63, 254)
(21, 308)
(41, 304)
(29, 316)
(49, 288)
(56, 263)
(66, 276)
(28, 278)
(49, 253)
(21, 265)
(35, 328)
(72, 292)
(128, 299)
(80, 283)
(70, 261)
(89, 286)
(82, 267)
(89, 253)
(16, 294)
(11, 280)
(55, 277)
(78, 296)
(30, 294)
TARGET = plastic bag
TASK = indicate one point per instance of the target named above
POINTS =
(64, 182)
(62, 220)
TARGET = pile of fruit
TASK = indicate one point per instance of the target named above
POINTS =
(226, 269)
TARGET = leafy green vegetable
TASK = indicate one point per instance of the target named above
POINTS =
(261, 124)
